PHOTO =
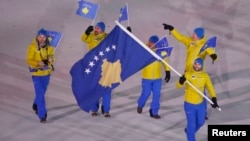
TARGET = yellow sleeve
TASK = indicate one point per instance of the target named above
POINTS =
(166, 68)
(210, 87)
(85, 38)
(181, 38)
(210, 51)
(31, 55)
(178, 85)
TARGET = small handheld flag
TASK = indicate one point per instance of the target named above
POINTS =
(87, 9)
(54, 37)
(162, 48)
(123, 16)
(211, 43)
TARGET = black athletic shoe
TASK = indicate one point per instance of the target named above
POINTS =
(94, 114)
(34, 107)
(107, 115)
(154, 116)
(43, 120)
(139, 110)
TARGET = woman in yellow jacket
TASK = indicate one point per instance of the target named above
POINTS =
(194, 105)
(152, 82)
(40, 58)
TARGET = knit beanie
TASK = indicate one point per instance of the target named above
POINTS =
(42, 32)
(199, 31)
(154, 39)
(199, 61)
(101, 25)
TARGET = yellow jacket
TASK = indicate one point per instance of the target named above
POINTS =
(93, 40)
(34, 55)
(153, 71)
(192, 48)
(201, 80)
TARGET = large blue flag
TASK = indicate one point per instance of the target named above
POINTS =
(54, 37)
(87, 9)
(123, 14)
(162, 48)
(106, 66)
(211, 43)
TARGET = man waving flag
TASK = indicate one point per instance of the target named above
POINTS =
(107, 66)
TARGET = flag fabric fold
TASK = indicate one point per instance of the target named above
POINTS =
(54, 37)
(211, 43)
(106, 66)
(123, 16)
(162, 48)
(87, 9)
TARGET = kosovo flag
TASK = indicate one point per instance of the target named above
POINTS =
(162, 48)
(123, 14)
(106, 66)
(87, 9)
(211, 43)
(54, 37)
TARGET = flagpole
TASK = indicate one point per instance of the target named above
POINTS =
(159, 58)
(95, 14)
(127, 13)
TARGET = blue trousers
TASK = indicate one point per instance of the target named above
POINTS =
(40, 85)
(195, 115)
(149, 86)
(106, 99)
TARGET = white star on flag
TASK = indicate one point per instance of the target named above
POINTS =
(91, 63)
(87, 71)
(96, 58)
(101, 53)
(107, 49)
